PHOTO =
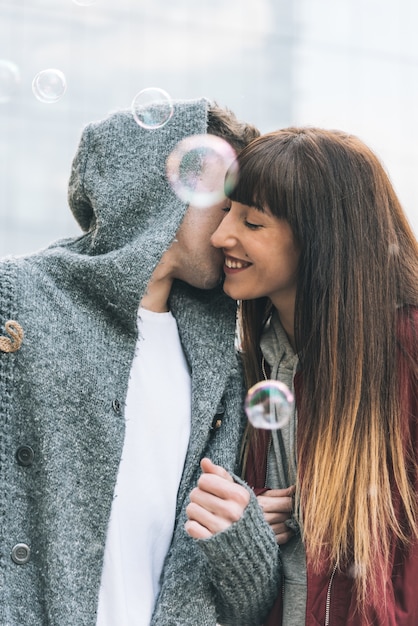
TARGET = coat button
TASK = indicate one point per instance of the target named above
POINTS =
(25, 455)
(217, 420)
(20, 553)
(116, 406)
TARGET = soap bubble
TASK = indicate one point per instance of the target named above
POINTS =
(196, 170)
(49, 86)
(356, 570)
(9, 80)
(152, 108)
(269, 405)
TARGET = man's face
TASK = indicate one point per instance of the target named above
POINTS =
(197, 262)
(192, 258)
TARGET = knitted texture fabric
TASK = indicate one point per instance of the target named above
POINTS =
(63, 391)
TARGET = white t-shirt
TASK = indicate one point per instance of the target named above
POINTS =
(156, 439)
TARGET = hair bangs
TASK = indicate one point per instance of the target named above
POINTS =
(254, 185)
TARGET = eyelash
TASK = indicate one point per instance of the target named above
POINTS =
(249, 225)
(252, 226)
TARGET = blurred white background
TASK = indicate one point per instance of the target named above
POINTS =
(349, 64)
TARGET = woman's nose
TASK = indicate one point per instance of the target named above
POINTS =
(222, 236)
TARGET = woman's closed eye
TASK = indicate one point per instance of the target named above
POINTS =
(252, 226)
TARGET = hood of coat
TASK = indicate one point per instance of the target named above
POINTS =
(118, 188)
(121, 198)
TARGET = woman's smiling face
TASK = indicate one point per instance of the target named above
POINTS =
(261, 255)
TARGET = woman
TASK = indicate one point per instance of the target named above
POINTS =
(321, 256)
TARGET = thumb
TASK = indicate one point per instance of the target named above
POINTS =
(210, 468)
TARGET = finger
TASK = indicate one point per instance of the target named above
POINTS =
(281, 529)
(272, 504)
(283, 538)
(229, 510)
(218, 486)
(196, 530)
(276, 518)
(213, 523)
(210, 468)
(274, 493)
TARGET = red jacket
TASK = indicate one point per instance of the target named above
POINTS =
(330, 597)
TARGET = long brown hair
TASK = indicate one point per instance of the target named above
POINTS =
(358, 269)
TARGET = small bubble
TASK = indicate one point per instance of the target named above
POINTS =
(9, 80)
(269, 404)
(197, 170)
(152, 108)
(49, 86)
(393, 249)
(373, 491)
(356, 570)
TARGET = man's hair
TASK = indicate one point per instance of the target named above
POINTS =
(223, 123)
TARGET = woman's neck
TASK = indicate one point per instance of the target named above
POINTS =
(286, 315)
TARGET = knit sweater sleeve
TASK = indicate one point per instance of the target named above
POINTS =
(244, 567)
(230, 580)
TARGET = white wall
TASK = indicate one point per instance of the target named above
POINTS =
(357, 69)
(351, 64)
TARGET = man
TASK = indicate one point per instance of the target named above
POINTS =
(126, 377)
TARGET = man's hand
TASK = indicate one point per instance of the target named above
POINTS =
(216, 503)
(277, 505)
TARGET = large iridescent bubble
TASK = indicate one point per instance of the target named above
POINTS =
(196, 170)
(152, 108)
(269, 405)
(49, 86)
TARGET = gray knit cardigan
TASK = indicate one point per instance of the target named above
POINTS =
(63, 389)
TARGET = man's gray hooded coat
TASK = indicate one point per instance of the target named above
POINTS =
(63, 386)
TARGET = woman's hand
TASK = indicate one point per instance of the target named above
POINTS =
(216, 503)
(277, 505)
